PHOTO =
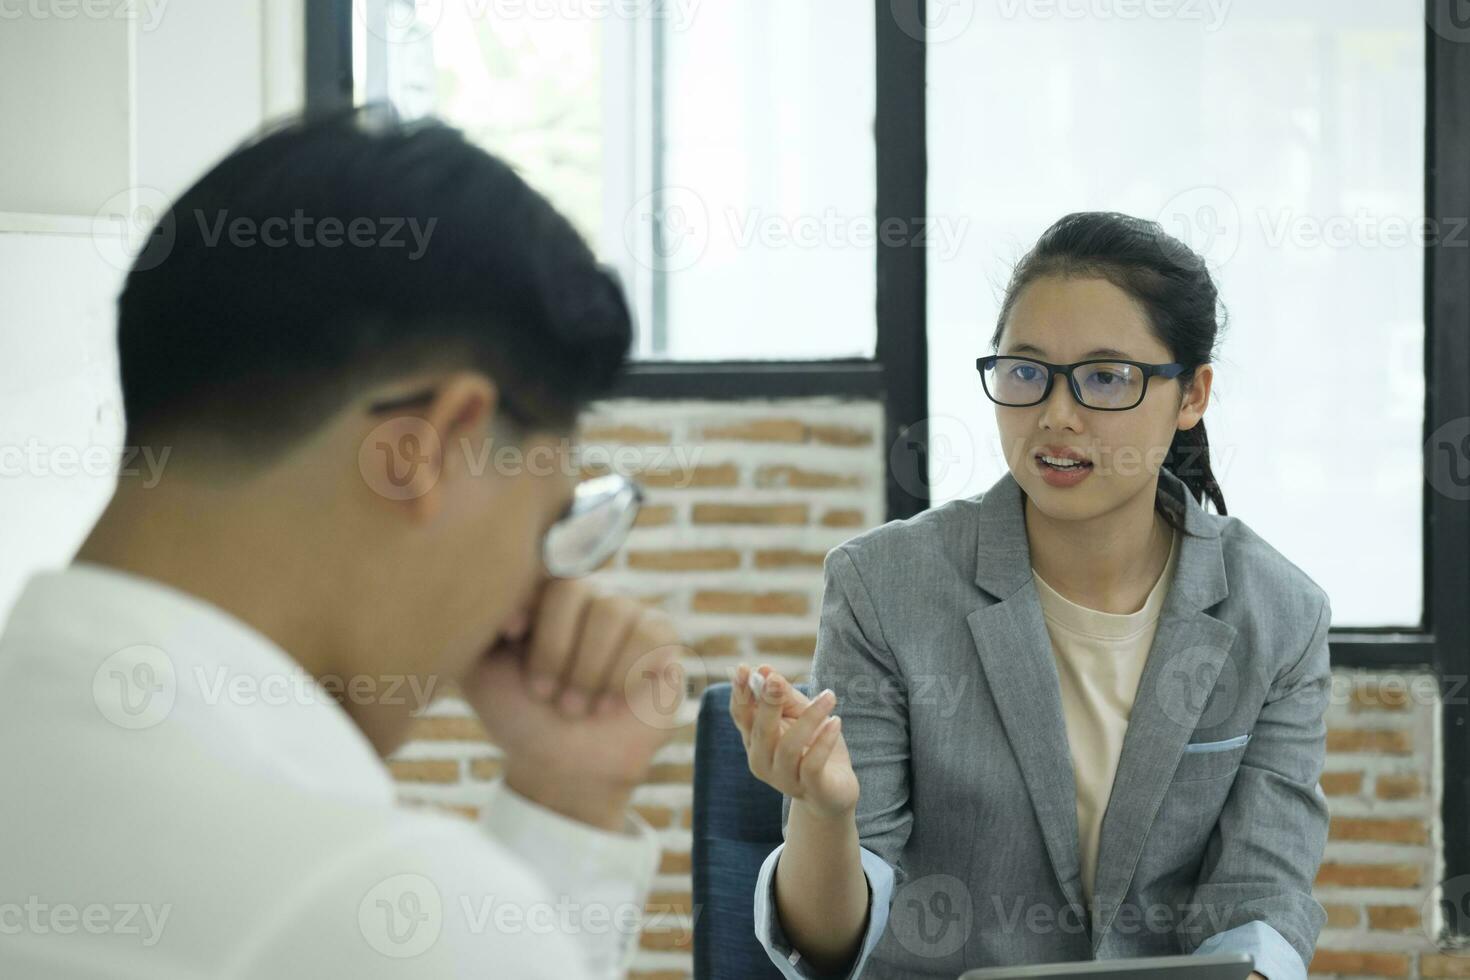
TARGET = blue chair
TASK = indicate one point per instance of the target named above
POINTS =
(737, 824)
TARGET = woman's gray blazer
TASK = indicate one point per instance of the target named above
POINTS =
(933, 639)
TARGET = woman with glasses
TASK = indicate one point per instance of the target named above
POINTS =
(1075, 717)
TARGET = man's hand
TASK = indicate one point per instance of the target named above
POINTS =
(580, 703)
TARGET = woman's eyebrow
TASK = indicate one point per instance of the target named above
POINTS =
(1095, 352)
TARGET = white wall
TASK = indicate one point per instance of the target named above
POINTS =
(105, 119)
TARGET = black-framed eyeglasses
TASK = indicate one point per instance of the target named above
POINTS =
(596, 521)
(1104, 384)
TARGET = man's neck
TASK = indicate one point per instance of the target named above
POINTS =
(222, 555)
(1110, 562)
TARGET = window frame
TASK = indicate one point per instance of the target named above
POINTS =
(898, 372)
(1443, 642)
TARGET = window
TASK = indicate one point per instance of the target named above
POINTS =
(721, 156)
(1286, 143)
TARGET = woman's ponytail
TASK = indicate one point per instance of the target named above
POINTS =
(1189, 459)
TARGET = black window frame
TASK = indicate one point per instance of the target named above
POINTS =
(897, 375)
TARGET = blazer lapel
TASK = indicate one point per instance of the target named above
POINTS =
(1015, 651)
(1189, 648)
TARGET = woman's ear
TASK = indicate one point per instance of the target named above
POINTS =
(1196, 398)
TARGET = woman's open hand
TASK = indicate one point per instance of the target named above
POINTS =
(793, 745)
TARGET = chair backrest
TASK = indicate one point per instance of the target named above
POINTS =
(737, 824)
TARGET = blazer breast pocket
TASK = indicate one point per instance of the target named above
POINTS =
(1211, 760)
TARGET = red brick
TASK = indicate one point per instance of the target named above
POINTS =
(485, 769)
(789, 558)
(1380, 831)
(1372, 695)
(1442, 966)
(425, 771)
(1378, 741)
(654, 515)
(694, 560)
(1374, 964)
(722, 645)
(1369, 875)
(1342, 783)
(1395, 917)
(751, 603)
(760, 430)
(801, 479)
(841, 435)
(1397, 787)
(724, 475)
(640, 434)
(447, 729)
(750, 514)
(804, 645)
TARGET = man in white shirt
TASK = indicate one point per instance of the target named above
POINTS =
(370, 498)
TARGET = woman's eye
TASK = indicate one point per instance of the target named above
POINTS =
(1104, 378)
(1024, 372)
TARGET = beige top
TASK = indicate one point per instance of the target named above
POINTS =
(1099, 658)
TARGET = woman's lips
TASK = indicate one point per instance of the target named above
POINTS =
(1057, 476)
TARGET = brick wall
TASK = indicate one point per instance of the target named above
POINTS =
(744, 502)
(1382, 781)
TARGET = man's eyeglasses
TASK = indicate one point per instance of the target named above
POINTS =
(1107, 385)
(595, 523)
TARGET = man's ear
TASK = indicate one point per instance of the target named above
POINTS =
(460, 413)
(408, 457)
(1196, 398)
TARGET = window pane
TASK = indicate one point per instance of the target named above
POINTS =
(720, 155)
(527, 87)
(769, 172)
(1286, 143)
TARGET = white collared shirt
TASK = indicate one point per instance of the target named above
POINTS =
(180, 799)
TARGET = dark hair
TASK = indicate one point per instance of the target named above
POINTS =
(252, 338)
(1172, 285)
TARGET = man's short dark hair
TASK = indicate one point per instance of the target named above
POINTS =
(338, 251)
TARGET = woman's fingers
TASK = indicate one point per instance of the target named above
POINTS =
(742, 705)
(797, 737)
(766, 729)
(817, 754)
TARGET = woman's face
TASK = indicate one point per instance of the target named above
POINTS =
(1062, 320)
